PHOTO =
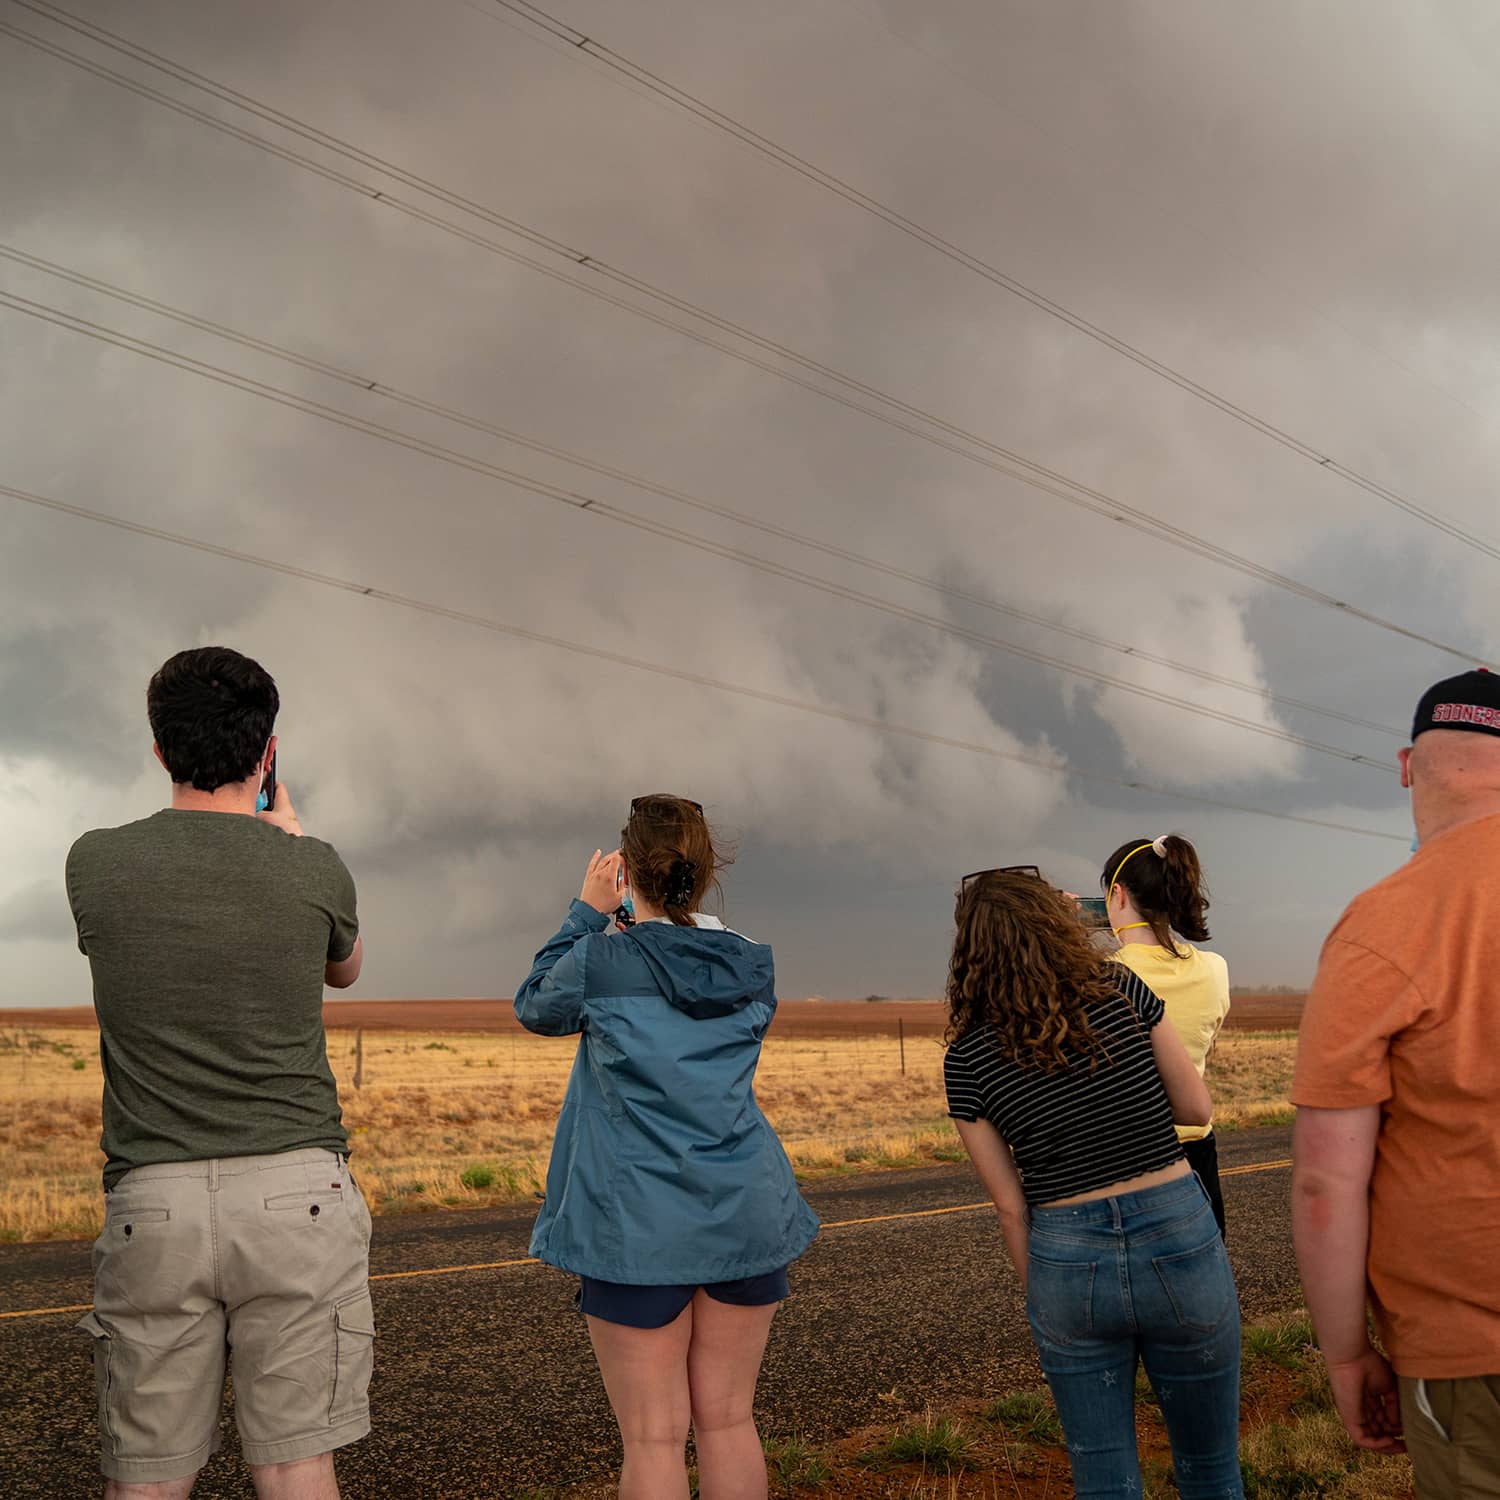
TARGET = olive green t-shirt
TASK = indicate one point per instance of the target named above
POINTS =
(207, 934)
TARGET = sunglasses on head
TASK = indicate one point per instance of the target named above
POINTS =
(637, 803)
(1031, 870)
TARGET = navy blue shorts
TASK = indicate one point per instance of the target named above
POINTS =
(656, 1306)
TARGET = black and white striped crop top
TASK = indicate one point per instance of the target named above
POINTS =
(1072, 1132)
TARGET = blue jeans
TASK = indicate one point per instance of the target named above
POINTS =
(1142, 1277)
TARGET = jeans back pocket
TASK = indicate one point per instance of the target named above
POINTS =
(1198, 1284)
(1060, 1298)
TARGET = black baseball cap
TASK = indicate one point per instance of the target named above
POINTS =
(1470, 701)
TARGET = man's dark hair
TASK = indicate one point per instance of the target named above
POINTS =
(212, 711)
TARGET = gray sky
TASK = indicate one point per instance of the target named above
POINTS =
(1288, 204)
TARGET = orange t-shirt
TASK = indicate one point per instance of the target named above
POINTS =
(1405, 1013)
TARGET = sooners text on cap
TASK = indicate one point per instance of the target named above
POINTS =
(1466, 713)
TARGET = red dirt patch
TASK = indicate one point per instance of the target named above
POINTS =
(1274, 1012)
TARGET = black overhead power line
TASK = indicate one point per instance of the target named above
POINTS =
(608, 511)
(1077, 161)
(946, 435)
(833, 183)
(641, 664)
(393, 393)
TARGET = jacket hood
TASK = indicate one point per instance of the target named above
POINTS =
(707, 970)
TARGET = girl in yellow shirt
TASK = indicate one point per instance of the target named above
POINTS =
(1156, 898)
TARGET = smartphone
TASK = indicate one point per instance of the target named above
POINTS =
(267, 798)
(1094, 910)
(624, 913)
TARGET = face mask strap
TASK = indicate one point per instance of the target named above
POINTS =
(262, 803)
(1115, 880)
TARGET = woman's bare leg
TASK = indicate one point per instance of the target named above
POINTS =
(645, 1373)
(728, 1344)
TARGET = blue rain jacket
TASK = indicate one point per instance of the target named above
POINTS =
(664, 1171)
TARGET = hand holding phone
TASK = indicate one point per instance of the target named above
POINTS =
(281, 814)
(601, 882)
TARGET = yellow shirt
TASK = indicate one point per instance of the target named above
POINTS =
(1195, 991)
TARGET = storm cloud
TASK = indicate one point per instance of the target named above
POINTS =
(1285, 204)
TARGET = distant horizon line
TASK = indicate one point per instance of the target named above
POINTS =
(11, 1014)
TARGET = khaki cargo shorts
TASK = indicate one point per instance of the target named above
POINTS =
(1452, 1430)
(261, 1261)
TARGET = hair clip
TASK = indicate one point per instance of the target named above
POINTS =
(680, 881)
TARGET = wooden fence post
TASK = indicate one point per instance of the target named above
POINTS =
(901, 1038)
(359, 1057)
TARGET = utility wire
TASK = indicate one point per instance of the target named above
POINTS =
(1001, 460)
(1076, 162)
(605, 510)
(990, 272)
(682, 497)
(641, 664)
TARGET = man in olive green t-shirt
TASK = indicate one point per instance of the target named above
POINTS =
(231, 1220)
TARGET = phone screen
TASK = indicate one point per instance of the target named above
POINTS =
(1094, 910)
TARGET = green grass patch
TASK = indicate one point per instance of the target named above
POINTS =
(1028, 1415)
(1289, 1345)
(938, 1443)
(477, 1176)
(1310, 1459)
(790, 1461)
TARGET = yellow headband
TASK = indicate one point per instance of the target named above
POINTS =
(1114, 879)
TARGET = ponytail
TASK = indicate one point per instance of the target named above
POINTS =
(1164, 881)
(1185, 895)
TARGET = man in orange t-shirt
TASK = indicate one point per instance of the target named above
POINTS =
(1396, 1186)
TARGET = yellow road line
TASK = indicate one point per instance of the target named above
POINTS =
(531, 1260)
(915, 1213)
(42, 1312)
(487, 1265)
(967, 1208)
(1256, 1166)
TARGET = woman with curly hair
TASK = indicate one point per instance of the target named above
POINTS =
(1064, 1087)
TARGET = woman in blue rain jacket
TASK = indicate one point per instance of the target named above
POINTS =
(668, 1192)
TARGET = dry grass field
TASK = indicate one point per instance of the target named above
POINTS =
(464, 1117)
(1277, 1010)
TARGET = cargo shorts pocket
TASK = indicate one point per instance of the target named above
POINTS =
(353, 1356)
(89, 1323)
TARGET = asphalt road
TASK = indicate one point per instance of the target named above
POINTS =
(485, 1384)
